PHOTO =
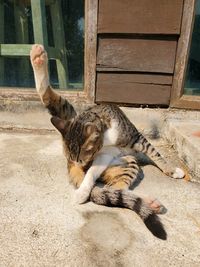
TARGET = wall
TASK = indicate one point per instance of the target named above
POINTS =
(137, 41)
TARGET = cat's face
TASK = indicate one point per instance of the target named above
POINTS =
(82, 139)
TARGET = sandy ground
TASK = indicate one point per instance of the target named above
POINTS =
(41, 225)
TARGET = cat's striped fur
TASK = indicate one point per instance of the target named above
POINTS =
(100, 135)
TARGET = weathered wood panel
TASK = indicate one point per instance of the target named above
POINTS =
(133, 88)
(90, 49)
(146, 55)
(140, 16)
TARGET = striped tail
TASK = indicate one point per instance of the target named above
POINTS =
(108, 196)
(144, 146)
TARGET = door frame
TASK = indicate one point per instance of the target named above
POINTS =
(178, 99)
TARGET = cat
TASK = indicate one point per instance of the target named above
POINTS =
(100, 145)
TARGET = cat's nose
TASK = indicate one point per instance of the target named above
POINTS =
(80, 162)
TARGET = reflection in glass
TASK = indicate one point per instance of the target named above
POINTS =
(16, 27)
(192, 83)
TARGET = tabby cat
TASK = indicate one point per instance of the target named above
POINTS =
(100, 144)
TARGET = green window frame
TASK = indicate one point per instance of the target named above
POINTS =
(178, 98)
(57, 53)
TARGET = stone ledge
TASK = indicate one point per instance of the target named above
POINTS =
(181, 135)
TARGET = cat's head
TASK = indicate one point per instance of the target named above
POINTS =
(82, 138)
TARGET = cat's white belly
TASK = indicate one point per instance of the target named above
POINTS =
(111, 135)
(109, 150)
(115, 153)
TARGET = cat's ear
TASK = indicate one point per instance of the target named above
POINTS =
(90, 128)
(59, 124)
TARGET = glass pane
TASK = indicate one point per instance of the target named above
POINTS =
(16, 27)
(192, 83)
(16, 72)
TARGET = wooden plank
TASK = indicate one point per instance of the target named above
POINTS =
(146, 55)
(39, 22)
(187, 101)
(142, 78)
(140, 16)
(125, 88)
(21, 27)
(15, 49)
(59, 41)
(28, 2)
(1, 41)
(177, 98)
(90, 50)
(24, 50)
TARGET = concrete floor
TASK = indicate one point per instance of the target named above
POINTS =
(42, 226)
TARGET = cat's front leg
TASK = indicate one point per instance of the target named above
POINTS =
(56, 105)
(83, 192)
(99, 165)
(39, 61)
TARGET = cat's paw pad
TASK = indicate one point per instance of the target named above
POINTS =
(178, 174)
(82, 194)
(155, 205)
(38, 55)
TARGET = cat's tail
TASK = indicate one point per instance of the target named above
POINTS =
(143, 145)
(108, 196)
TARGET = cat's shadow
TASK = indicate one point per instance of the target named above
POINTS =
(142, 160)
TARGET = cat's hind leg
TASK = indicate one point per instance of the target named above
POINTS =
(122, 174)
(144, 146)
(122, 177)
(155, 205)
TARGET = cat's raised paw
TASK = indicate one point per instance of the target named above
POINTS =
(176, 173)
(38, 55)
(155, 205)
(82, 194)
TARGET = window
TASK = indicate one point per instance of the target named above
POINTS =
(59, 25)
(186, 82)
(192, 82)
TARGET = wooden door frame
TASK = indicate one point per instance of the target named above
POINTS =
(178, 99)
(90, 45)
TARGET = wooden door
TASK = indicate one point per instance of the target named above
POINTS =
(137, 42)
